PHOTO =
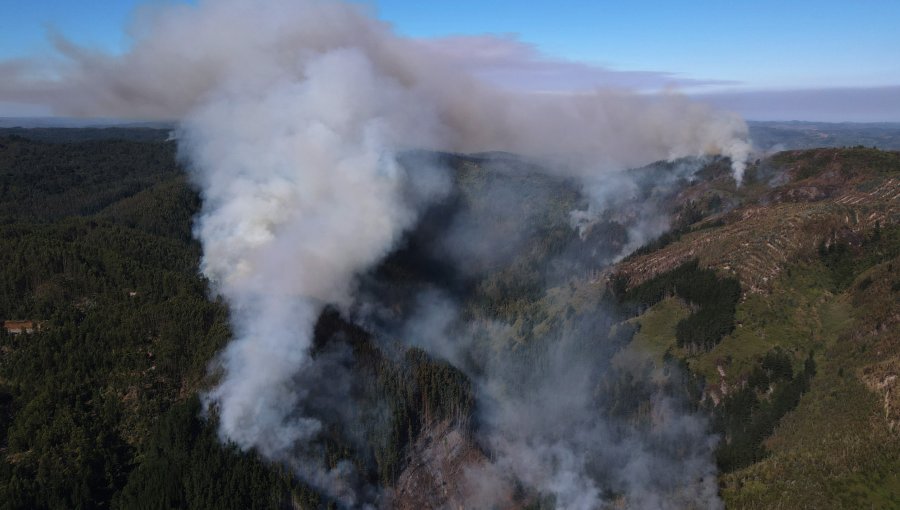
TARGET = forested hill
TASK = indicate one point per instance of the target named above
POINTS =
(99, 401)
(98, 407)
(770, 308)
(69, 135)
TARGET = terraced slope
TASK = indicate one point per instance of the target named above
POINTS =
(848, 192)
(818, 258)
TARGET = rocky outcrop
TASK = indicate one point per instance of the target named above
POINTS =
(437, 473)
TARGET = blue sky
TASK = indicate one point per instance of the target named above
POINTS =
(754, 46)
(761, 43)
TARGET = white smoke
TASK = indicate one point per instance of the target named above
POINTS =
(224, 51)
(546, 422)
(301, 191)
(291, 115)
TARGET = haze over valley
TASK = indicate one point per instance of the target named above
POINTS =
(322, 254)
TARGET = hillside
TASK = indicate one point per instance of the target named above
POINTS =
(510, 327)
(832, 195)
(99, 409)
(817, 260)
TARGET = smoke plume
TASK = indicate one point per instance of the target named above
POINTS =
(291, 116)
(552, 418)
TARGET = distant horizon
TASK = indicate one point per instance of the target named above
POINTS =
(764, 136)
(58, 121)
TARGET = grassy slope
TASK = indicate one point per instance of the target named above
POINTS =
(657, 327)
(836, 449)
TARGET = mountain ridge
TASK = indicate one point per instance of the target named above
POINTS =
(806, 366)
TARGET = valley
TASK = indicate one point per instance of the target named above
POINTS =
(746, 355)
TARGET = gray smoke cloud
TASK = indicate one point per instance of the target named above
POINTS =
(228, 52)
(634, 201)
(548, 415)
(291, 117)
(563, 410)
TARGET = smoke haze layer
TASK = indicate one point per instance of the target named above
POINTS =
(564, 408)
(291, 115)
(236, 50)
(558, 416)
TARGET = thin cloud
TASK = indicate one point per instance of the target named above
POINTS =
(507, 61)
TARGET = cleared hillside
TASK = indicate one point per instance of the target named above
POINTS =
(817, 257)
